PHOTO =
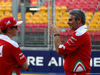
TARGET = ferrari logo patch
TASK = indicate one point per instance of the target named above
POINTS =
(13, 73)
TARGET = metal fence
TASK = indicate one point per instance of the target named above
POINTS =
(36, 36)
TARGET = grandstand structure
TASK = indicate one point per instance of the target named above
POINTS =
(36, 33)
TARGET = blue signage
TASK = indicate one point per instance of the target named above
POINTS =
(50, 61)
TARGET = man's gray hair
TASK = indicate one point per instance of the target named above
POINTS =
(78, 13)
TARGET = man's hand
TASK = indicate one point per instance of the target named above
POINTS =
(54, 29)
(17, 65)
(29, 70)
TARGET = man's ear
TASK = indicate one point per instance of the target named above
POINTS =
(79, 20)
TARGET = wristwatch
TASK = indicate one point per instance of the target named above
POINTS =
(56, 35)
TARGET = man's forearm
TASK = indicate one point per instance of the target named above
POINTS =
(57, 41)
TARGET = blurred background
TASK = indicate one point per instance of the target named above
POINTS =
(35, 39)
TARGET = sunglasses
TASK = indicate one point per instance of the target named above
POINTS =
(16, 27)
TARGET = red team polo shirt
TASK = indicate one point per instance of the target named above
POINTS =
(78, 50)
(10, 54)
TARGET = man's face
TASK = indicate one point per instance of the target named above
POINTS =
(14, 30)
(72, 23)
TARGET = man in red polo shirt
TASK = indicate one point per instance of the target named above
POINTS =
(11, 56)
(77, 49)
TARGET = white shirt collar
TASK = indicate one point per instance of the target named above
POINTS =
(4, 37)
(82, 27)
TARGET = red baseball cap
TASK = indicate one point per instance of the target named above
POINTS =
(9, 22)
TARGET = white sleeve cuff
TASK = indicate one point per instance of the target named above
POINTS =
(62, 46)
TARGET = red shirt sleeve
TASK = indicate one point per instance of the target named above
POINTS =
(18, 55)
(72, 44)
